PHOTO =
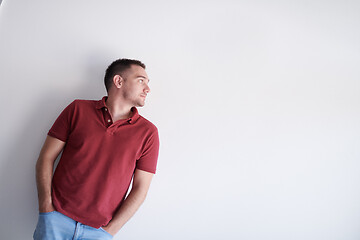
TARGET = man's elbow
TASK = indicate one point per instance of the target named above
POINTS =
(140, 193)
(39, 164)
(43, 164)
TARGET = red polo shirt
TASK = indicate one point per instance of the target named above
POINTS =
(99, 159)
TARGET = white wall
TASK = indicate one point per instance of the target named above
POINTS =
(257, 105)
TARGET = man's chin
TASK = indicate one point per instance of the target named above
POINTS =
(140, 105)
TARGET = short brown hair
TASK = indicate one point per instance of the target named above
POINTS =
(118, 67)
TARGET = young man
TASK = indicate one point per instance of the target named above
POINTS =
(105, 145)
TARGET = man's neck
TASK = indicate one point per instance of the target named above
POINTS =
(117, 109)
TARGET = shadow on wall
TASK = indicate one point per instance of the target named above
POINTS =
(19, 204)
(17, 174)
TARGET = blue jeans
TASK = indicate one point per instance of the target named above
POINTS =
(56, 226)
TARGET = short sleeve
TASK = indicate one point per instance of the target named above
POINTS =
(62, 126)
(148, 160)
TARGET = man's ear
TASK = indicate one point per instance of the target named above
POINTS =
(118, 81)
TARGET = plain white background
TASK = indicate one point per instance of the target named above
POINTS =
(257, 105)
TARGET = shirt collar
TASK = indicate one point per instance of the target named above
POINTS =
(132, 119)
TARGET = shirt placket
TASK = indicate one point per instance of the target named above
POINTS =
(110, 126)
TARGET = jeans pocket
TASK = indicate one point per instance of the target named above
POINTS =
(45, 226)
(46, 213)
(103, 230)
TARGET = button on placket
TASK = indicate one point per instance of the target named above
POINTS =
(107, 117)
(109, 123)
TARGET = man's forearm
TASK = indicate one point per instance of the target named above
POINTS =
(128, 208)
(44, 173)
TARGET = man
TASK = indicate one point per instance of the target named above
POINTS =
(105, 145)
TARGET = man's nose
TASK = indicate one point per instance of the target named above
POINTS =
(147, 89)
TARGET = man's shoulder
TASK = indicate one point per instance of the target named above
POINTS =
(147, 123)
(83, 102)
(81, 105)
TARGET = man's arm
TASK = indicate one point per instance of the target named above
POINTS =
(44, 171)
(136, 197)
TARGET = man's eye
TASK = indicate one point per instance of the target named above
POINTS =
(141, 80)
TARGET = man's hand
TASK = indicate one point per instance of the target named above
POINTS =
(109, 230)
(46, 207)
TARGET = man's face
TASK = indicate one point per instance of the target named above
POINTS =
(135, 87)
